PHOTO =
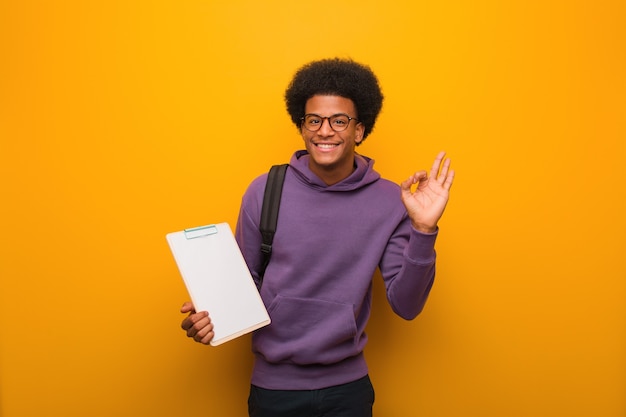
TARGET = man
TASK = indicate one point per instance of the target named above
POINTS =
(339, 221)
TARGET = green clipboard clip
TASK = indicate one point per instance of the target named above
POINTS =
(201, 231)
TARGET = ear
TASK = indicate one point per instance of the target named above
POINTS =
(359, 133)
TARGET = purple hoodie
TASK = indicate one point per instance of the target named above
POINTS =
(318, 284)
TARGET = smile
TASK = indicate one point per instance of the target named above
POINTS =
(326, 145)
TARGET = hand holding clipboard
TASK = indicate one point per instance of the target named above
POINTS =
(218, 281)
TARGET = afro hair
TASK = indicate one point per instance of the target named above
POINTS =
(338, 77)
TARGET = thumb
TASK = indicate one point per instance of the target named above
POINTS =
(187, 308)
(406, 185)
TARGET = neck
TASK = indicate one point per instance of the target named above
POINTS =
(332, 174)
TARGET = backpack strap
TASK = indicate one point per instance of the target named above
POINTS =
(269, 212)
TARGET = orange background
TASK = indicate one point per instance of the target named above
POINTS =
(121, 121)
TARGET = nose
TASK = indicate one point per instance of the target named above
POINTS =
(325, 129)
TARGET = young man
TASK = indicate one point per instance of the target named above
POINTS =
(339, 221)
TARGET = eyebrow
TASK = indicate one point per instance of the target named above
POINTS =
(336, 114)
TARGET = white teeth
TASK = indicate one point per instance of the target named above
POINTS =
(325, 145)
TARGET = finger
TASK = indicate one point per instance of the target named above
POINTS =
(417, 177)
(444, 171)
(449, 179)
(434, 170)
(204, 335)
(192, 319)
(198, 327)
(206, 339)
(406, 185)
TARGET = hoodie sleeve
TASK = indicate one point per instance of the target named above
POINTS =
(247, 233)
(408, 269)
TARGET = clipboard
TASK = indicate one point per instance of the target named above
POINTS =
(218, 280)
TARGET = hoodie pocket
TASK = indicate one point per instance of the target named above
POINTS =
(307, 331)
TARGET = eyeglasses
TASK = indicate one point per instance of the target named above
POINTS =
(338, 122)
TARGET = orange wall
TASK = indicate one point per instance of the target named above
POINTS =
(121, 121)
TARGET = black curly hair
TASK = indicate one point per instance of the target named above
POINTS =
(337, 77)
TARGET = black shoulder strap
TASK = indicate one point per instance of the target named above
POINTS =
(269, 212)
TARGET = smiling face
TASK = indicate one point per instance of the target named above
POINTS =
(332, 153)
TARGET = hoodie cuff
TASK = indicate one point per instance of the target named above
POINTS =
(421, 247)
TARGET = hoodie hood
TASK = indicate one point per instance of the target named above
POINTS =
(362, 175)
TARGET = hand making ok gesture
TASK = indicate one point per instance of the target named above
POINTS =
(426, 204)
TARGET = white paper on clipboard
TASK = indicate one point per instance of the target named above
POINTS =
(218, 280)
